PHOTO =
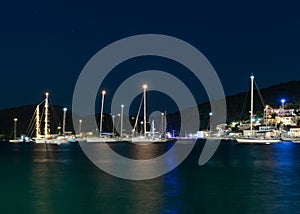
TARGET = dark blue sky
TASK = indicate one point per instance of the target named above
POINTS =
(45, 44)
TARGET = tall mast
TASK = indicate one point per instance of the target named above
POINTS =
(251, 111)
(101, 113)
(162, 124)
(122, 117)
(46, 128)
(37, 121)
(145, 116)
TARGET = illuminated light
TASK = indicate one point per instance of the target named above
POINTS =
(282, 100)
(103, 92)
(65, 109)
(145, 86)
(122, 106)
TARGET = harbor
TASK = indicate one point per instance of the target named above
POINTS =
(155, 107)
(273, 125)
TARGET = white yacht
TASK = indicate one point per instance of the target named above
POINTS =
(254, 136)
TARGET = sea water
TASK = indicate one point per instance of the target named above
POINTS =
(237, 179)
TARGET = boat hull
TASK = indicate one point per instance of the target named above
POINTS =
(257, 141)
(294, 140)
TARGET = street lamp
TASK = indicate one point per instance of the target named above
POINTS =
(15, 128)
(79, 128)
(162, 123)
(282, 103)
(142, 122)
(64, 120)
(210, 115)
(113, 127)
(101, 113)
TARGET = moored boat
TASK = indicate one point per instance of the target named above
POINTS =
(257, 137)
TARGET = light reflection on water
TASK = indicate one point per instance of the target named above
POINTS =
(239, 178)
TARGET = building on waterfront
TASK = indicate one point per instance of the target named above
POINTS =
(287, 117)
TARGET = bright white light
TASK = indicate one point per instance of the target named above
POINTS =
(145, 86)
(103, 92)
(65, 109)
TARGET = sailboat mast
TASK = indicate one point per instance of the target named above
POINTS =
(251, 111)
(145, 116)
(101, 113)
(46, 116)
(37, 121)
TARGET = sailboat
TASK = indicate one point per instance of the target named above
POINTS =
(47, 137)
(101, 137)
(148, 137)
(252, 136)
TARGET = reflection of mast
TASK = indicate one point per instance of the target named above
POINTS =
(38, 121)
(46, 128)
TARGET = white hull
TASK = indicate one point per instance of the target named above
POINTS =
(51, 141)
(14, 141)
(292, 139)
(100, 140)
(59, 140)
(141, 140)
(216, 138)
(257, 141)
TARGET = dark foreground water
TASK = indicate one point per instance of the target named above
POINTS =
(238, 179)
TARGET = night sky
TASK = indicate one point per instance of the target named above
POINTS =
(45, 44)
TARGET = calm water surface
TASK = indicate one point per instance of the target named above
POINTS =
(238, 179)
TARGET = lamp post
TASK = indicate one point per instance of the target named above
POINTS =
(64, 120)
(282, 103)
(113, 127)
(80, 126)
(210, 115)
(162, 124)
(122, 112)
(142, 122)
(101, 113)
(15, 128)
